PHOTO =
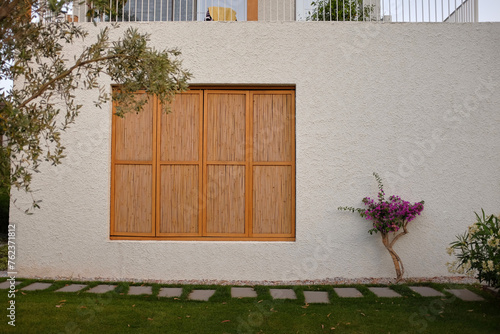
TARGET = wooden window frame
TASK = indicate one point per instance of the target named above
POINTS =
(203, 163)
(252, 10)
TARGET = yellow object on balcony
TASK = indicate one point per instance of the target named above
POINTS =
(222, 14)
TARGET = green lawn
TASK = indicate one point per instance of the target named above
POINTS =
(116, 312)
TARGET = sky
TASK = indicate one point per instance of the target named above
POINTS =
(489, 11)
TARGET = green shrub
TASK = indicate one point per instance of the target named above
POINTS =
(343, 10)
(478, 251)
(3, 257)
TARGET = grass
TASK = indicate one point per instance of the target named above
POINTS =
(116, 312)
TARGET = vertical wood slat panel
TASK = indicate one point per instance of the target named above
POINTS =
(180, 129)
(134, 134)
(225, 137)
(179, 209)
(133, 199)
(272, 124)
(272, 199)
(225, 199)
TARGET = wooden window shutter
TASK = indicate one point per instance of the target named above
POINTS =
(225, 163)
(179, 180)
(273, 164)
(133, 172)
(219, 166)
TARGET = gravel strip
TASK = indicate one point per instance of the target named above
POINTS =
(326, 281)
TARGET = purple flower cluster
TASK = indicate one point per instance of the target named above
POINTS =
(390, 215)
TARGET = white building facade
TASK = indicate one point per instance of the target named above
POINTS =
(417, 103)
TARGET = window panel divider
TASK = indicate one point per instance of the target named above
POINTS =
(156, 167)
(248, 172)
(112, 227)
(273, 163)
(189, 163)
(201, 187)
(292, 143)
(236, 163)
(133, 162)
(204, 164)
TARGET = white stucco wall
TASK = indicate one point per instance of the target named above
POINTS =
(418, 103)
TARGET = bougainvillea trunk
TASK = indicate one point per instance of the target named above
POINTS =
(398, 264)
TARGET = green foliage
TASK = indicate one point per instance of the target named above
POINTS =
(56, 6)
(340, 10)
(106, 10)
(3, 257)
(478, 250)
(42, 103)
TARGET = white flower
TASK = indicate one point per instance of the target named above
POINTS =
(486, 265)
(452, 266)
(466, 268)
(491, 266)
(466, 265)
(491, 241)
(463, 268)
(473, 229)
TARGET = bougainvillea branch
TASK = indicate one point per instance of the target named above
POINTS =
(389, 217)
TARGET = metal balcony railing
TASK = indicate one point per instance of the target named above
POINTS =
(272, 10)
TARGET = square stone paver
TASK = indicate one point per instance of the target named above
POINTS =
(465, 294)
(72, 288)
(384, 292)
(201, 294)
(37, 286)
(492, 289)
(348, 292)
(316, 297)
(140, 290)
(283, 294)
(170, 292)
(425, 291)
(102, 288)
(243, 292)
(6, 284)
